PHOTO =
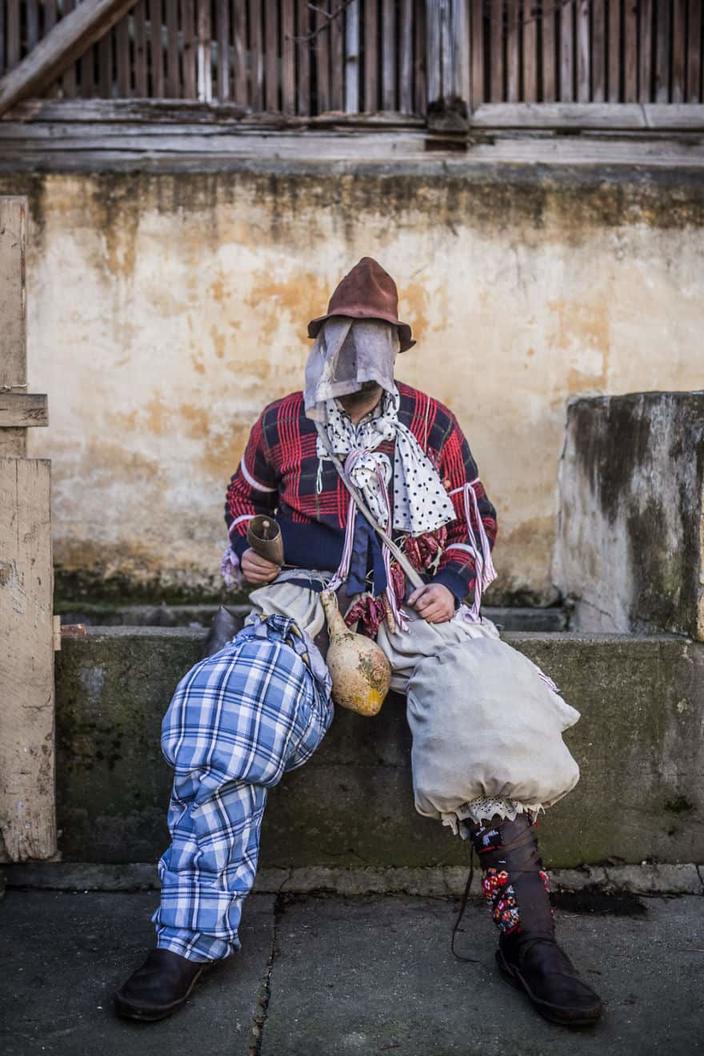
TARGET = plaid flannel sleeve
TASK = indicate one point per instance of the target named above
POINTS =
(458, 469)
(254, 488)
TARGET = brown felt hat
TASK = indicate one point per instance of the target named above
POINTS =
(366, 292)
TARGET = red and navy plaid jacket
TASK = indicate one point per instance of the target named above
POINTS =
(280, 475)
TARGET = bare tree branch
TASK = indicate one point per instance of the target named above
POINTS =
(329, 15)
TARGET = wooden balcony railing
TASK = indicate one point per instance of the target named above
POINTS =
(403, 57)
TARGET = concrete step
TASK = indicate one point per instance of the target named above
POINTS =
(545, 620)
(639, 745)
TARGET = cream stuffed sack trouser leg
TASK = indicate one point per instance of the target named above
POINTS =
(487, 725)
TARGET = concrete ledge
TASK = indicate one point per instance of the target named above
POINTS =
(433, 882)
(638, 743)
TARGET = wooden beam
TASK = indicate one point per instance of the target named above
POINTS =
(69, 39)
(590, 116)
(13, 312)
(27, 813)
(27, 805)
(19, 410)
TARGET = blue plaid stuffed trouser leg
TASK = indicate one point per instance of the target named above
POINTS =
(236, 723)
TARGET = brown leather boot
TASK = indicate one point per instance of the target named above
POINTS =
(162, 984)
(517, 887)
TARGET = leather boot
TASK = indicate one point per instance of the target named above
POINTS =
(159, 987)
(517, 887)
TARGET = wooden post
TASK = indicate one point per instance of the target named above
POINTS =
(447, 62)
(352, 105)
(27, 802)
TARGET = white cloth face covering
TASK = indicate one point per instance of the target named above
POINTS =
(346, 353)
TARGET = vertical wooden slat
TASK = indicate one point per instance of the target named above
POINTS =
(433, 60)
(49, 17)
(496, 51)
(124, 64)
(371, 56)
(598, 50)
(288, 57)
(530, 53)
(679, 50)
(31, 23)
(68, 80)
(173, 78)
(352, 105)
(322, 62)
(13, 33)
(337, 60)
(460, 37)
(271, 56)
(615, 52)
(663, 43)
(513, 57)
(405, 86)
(694, 57)
(567, 53)
(476, 52)
(388, 55)
(3, 7)
(645, 34)
(239, 51)
(419, 82)
(549, 24)
(630, 51)
(256, 51)
(582, 51)
(204, 61)
(188, 51)
(105, 66)
(86, 66)
(156, 50)
(222, 31)
(140, 50)
(303, 59)
(446, 50)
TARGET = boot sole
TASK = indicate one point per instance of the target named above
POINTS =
(152, 1015)
(549, 1012)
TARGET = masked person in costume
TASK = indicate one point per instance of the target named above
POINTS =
(487, 724)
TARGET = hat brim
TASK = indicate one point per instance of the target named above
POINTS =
(404, 330)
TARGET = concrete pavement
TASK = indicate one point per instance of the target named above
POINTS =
(322, 976)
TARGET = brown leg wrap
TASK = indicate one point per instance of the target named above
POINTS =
(514, 880)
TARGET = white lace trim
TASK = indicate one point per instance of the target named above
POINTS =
(484, 808)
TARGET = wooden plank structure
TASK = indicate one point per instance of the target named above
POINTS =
(27, 813)
(294, 57)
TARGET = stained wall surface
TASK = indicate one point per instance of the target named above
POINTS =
(166, 310)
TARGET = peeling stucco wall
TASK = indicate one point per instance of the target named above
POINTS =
(166, 310)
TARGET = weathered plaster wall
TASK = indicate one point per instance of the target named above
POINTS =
(164, 311)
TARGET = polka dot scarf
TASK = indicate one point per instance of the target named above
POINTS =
(420, 501)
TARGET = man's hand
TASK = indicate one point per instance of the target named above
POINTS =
(434, 602)
(256, 569)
